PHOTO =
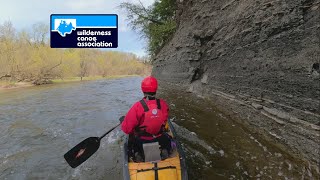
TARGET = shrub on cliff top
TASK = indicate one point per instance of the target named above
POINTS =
(156, 22)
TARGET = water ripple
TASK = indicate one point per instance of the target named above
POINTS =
(40, 124)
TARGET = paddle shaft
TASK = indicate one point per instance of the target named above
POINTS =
(108, 132)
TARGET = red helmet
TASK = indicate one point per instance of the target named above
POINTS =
(149, 84)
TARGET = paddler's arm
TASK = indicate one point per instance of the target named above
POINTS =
(131, 120)
(165, 112)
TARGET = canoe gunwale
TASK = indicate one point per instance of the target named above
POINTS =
(126, 174)
(183, 165)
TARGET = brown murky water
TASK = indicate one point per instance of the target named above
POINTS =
(220, 148)
(39, 124)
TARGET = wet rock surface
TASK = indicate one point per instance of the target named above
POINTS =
(257, 59)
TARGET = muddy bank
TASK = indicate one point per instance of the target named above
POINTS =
(297, 140)
(13, 85)
(4, 86)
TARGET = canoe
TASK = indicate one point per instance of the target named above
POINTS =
(172, 168)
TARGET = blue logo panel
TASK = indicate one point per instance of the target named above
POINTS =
(84, 31)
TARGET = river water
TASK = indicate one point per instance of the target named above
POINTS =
(39, 124)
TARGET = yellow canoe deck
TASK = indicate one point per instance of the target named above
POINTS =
(168, 169)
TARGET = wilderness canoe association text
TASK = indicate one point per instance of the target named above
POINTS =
(93, 33)
(88, 38)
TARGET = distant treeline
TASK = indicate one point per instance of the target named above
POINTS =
(28, 57)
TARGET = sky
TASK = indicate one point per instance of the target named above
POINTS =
(24, 13)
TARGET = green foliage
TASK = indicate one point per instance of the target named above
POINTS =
(28, 57)
(156, 23)
(164, 10)
(159, 34)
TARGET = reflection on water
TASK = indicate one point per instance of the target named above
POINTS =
(39, 124)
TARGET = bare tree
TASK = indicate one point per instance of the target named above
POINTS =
(7, 38)
(7, 31)
(39, 33)
(83, 64)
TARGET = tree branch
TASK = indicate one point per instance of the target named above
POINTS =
(145, 10)
(4, 76)
(55, 66)
(134, 11)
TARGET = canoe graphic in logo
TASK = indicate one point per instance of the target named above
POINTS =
(65, 26)
(154, 111)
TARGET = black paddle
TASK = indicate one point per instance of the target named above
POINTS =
(84, 150)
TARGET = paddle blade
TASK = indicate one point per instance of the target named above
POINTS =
(82, 151)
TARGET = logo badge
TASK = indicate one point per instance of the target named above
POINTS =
(154, 111)
(84, 31)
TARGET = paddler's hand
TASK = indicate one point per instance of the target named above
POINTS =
(121, 119)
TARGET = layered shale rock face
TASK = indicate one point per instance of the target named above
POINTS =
(263, 53)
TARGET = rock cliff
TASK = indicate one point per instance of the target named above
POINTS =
(260, 54)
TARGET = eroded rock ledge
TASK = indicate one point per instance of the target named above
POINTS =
(261, 55)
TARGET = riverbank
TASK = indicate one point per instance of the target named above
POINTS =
(14, 85)
(6, 85)
(91, 78)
